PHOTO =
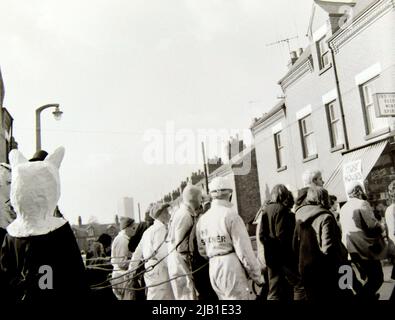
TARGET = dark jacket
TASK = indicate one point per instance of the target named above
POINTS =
(21, 260)
(319, 250)
(276, 233)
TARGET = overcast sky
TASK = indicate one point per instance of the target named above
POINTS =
(122, 68)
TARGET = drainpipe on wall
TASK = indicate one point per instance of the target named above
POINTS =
(339, 98)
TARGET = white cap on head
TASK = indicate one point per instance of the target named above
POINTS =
(219, 186)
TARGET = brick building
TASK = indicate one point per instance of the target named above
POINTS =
(327, 119)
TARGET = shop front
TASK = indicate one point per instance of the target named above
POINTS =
(373, 165)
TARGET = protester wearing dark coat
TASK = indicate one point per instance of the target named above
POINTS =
(317, 244)
(22, 258)
(276, 234)
(39, 258)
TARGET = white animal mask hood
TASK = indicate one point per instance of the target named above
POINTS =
(35, 191)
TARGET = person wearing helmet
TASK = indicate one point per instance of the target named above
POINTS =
(223, 239)
(180, 248)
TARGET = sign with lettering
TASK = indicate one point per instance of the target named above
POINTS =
(384, 104)
(352, 172)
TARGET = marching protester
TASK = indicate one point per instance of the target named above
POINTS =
(120, 256)
(317, 244)
(152, 251)
(199, 263)
(362, 235)
(222, 238)
(276, 234)
(310, 178)
(39, 258)
(180, 250)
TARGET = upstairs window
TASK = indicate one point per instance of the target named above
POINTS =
(280, 150)
(307, 135)
(335, 124)
(323, 53)
(373, 123)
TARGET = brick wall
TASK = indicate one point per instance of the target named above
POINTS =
(247, 190)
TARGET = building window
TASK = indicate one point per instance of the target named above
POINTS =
(307, 134)
(280, 150)
(323, 53)
(335, 124)
(372, 122)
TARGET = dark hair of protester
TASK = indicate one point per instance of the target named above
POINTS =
(279, 194)
(290, 200)
(318, 196)
(105, 239)
(332, 200)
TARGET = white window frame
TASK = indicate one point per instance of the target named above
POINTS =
(279, 150)
(369, 108)
(333, 122)
(323, 55)
(304, 135)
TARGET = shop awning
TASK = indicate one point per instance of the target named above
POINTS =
(368, 156)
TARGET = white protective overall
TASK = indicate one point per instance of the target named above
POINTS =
(35, 191)
(178, 261)
(120, 255)
(153, 248)
(223, 239)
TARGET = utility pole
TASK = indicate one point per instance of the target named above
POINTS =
(205, 167)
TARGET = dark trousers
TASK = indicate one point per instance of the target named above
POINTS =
(284, 284)
(370, 271)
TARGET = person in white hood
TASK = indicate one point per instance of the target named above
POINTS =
(39, 258)
(222, 238)
(152, 249)
(181, 248)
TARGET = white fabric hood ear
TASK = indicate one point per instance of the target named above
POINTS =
(35, 191)
(56, 157)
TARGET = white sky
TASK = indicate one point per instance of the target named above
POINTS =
(121, 67)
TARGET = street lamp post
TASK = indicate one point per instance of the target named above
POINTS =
(57, 114)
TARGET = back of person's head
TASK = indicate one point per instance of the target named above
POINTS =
(192, 195)
(318, 196)
(279, 194)
(290, 200)
(356, 190)
(332, 200)
(309, 177)
(105, 239)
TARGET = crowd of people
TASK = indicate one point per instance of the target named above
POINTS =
(200, 250)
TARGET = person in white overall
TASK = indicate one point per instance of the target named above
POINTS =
(153, 250)
(222, 238)
(180, 249)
